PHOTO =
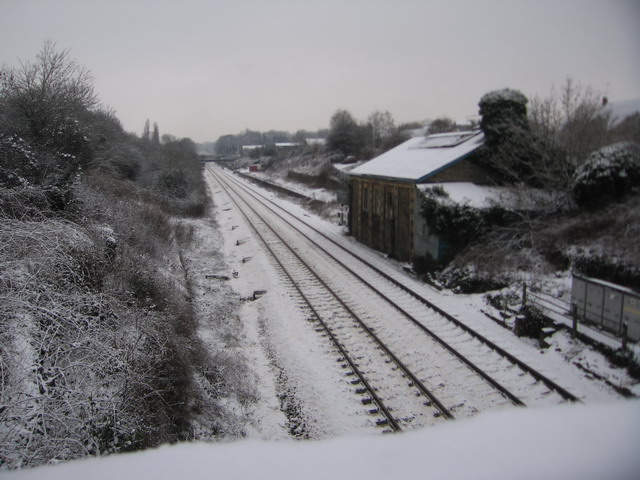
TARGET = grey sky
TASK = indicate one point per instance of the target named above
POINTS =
(202, 69)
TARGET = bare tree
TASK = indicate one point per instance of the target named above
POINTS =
(345, 135)
(573, 120)
(49, 94)
(381, 126)
(442, 125)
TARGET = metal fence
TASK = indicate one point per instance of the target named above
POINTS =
(549, 302)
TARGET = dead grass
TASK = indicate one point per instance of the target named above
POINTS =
(98, 343)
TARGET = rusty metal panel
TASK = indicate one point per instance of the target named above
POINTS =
(594, 304)
(631, 315)
(579, 295)
(612, 310)
(607, 305)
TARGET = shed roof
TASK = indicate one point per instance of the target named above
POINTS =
(421, 157)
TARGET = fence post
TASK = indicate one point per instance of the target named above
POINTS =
(524, 294)
(574, 318)
(624, 335)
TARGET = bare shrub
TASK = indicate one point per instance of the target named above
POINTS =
(98, 341)
(184, 232)
(82, 372)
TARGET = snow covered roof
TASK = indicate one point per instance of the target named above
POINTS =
(478, 196)
(421, 157)
(485, 196)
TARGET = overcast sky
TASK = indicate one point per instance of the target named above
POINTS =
(205, 68)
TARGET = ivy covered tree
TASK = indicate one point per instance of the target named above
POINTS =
(504, 114)
(512, 151)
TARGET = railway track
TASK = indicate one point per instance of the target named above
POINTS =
(414, 362)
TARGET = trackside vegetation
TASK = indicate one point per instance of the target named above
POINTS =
(98, 344)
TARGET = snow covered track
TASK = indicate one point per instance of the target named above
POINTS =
(373, 375)
(332, 246)
(399, 346)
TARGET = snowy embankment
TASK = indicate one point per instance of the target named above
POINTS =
(567, 442)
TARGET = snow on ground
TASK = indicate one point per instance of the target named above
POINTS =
(227, 329)
(302, 385)
(296, 383)
(567, 442)
(320, 194)
(557, 362)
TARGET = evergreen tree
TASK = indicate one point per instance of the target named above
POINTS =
(155, 139)
(146, 132)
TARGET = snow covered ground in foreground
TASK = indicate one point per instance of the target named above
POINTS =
(566, 442)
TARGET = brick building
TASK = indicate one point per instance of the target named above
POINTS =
(385, 200)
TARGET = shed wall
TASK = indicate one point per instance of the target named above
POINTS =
(382, 215)
(465, 170)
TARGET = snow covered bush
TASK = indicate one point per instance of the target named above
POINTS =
(98, 342)
(530, 322)
(19, 165)
(469, 279)
(608, 174)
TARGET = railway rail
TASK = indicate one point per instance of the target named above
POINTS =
(439, 362)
